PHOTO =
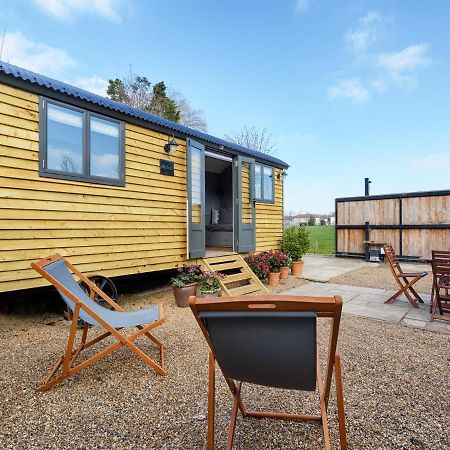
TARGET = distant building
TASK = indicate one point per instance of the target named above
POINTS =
(304, 219)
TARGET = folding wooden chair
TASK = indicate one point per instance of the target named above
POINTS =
(58, 271)
(405, 280)
(440, 297)
(270, 340)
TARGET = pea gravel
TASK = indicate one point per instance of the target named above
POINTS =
(380, 276)
(396, 382)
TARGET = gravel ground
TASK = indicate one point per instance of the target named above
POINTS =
(395, 380)
(381, 277)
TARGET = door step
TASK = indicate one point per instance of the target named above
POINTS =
(239, 278)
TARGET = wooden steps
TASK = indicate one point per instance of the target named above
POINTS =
(241, 275)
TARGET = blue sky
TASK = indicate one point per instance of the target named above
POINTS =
(348, 89)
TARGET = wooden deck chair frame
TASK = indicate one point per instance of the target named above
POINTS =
(324, 307)
(405, 280)
(68, 359)
(440, 262)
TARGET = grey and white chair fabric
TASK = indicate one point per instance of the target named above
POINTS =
(271, 341)
(60, 273)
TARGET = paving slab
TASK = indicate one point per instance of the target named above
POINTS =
(322, 268)
(415, 323)
(369, 302)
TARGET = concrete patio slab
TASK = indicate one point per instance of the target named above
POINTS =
(322, 268)
(369, 302)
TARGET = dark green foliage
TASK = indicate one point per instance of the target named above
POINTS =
(295, 242)
(137, 91)
(162, 105)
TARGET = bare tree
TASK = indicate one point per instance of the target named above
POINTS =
(189, 117)
(254, 138)
(138, 91)
(67, 164)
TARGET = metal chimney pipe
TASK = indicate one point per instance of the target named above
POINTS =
(366, 186)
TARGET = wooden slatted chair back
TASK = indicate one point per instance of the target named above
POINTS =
(440, 264)
(392, 259)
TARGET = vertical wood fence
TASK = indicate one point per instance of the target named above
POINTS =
(414, 223)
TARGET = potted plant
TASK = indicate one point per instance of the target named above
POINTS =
(295, 242)
(185, 283)
(286, 264)
(259, 264)
(209, 284)
(276, 260)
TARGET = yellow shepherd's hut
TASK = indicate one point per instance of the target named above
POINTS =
(120, 191)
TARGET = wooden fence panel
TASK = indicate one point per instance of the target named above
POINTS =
(414, 223)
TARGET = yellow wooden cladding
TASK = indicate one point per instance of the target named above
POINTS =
(246, 201)
(102, 229)
(269, 218)
(113, 230)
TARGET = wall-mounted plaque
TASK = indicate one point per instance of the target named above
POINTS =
(166, 167)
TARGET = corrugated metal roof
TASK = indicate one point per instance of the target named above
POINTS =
(89, 97)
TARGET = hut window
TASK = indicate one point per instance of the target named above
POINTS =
(264, 183)
(78, 145)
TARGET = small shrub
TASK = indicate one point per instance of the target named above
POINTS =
(295, 242)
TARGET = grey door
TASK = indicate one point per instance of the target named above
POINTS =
(245, 235)
(196, 198)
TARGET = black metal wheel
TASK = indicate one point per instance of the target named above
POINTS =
(104, 284)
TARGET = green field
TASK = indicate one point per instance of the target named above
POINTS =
(322, 239)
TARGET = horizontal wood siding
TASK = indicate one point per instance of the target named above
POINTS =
(269, 219)
(114, 230)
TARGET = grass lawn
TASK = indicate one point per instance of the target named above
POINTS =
(322, 239)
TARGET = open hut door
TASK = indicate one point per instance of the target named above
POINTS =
(196, 199)
(245, 229)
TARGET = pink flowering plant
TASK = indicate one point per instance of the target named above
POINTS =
(210, 281)
(259, 263)
(186, 274)
(277, 260)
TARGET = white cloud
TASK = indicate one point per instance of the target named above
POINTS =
(350, 88)
(301, 6)
(95, 84)
(366, 32)
(431, 162)
(380, 85)
(379, 71)
(406, 60)
(69, 9)
(35, 56)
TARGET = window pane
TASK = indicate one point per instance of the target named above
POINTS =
(196, 187)
(105, 147)
(268, 183)
(257, 181)
(64, 139)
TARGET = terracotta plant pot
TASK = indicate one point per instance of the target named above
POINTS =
(297, 268)
(210, 294)
(182, 294)
(274, 279)
(284, 273)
